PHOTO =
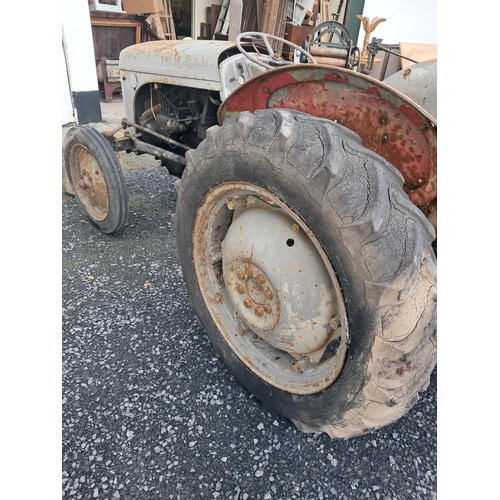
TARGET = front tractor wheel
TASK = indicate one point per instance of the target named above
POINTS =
(96, 177)
(310, 269)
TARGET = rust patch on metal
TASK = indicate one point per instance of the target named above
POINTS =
(89, 182)
(388, 123)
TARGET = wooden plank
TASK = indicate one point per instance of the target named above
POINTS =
(259, 5)
(214, 15)
(280, 25)
(155, 23)
(315, 13)
(417, 51)
(274, 20)
(249, 16)
(169, 20)
(325, 12)
(209, 23)
(204, 31)
(163, 21)
(271, 8)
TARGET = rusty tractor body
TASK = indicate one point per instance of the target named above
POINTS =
(213, 80)
(305, 217)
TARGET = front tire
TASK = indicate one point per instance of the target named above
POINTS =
(310, 269)
(96, 178)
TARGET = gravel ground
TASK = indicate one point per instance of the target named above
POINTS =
(149, 412)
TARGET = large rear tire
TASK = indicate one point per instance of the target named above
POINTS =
(96, 177)
(310, 269)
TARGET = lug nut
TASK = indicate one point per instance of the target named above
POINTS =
(241, 289)
(260, 279)
(268, 294)
(247, 303)
(258, 311)
(241, 276)
(267, 308)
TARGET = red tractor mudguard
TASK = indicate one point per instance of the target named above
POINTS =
(388, 122)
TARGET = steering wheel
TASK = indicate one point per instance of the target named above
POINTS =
(257, 59)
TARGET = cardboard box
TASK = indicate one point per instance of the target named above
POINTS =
(142, 6)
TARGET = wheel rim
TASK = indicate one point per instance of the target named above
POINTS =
(89, 182)
(270, 288)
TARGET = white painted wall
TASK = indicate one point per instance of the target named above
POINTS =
(413, 21)
(199, 14)
(78, 46)
(67, 102)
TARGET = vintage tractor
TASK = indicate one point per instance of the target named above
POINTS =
(304, 195)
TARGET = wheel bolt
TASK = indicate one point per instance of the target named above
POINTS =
(335, 322)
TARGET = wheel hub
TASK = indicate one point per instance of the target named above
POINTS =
(252, 294)
(89, 182)
(277, 281)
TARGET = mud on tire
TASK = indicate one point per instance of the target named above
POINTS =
(377, 242)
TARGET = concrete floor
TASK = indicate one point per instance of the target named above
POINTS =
(112, 114)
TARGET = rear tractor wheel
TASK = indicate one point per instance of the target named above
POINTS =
(310, 269)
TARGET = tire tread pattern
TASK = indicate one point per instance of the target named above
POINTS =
(364, 205)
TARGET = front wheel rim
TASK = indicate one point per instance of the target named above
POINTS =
(270, 288)
(89, 183)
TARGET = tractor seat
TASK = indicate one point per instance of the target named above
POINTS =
(330, 43)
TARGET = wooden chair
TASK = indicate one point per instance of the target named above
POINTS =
(330, 43)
